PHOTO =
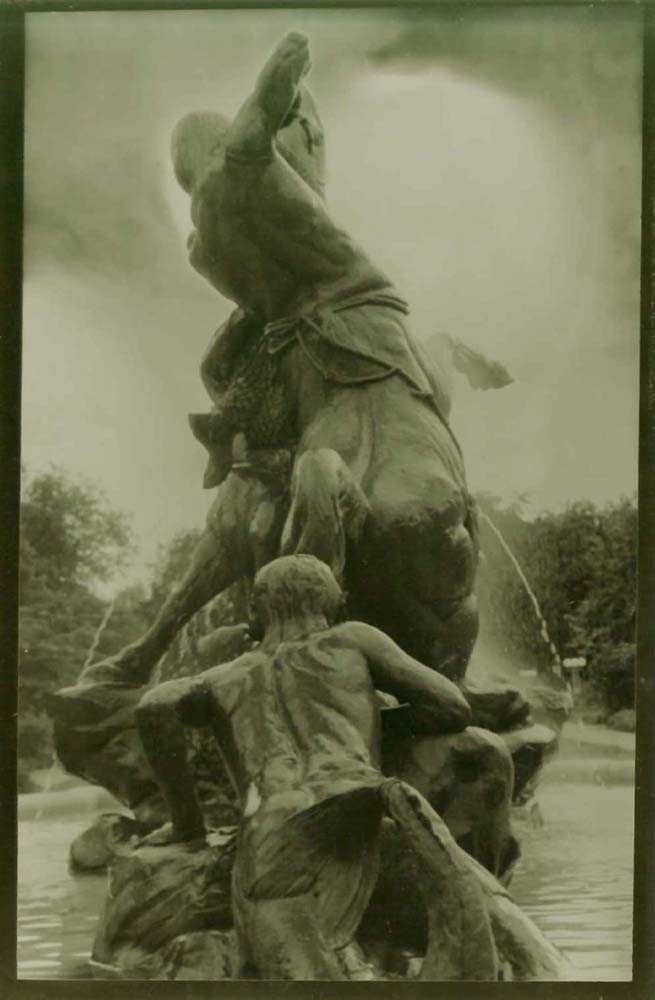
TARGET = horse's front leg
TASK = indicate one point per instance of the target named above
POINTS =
(223, 556)
(328, 509)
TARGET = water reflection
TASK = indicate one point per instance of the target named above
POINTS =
(57, 911)
(574, 880)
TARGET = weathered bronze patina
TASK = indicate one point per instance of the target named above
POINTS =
(298, 724)
(346, 725)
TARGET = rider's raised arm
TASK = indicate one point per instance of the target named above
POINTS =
(437, 702)
(277, 88)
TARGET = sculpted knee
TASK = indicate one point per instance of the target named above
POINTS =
(474, 761)
(317, 469)
(160, 699)
(482, 756)
(184, 701)
(327, 508)
(321, 476)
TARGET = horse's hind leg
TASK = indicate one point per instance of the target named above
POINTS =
(452, 641)
(441, 638)
(414, 569)
(441, 635)
(327, 510)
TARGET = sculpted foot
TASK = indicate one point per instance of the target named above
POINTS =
(496, 707)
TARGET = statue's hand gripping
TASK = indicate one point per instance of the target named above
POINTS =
(279, 81)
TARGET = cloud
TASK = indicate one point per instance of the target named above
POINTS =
(581, 69)
(489, 163)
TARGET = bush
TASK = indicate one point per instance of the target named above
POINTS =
(35, 745)
(582, 566)
(24, 778)
(70, 540)
(624, 721)
(611, 672)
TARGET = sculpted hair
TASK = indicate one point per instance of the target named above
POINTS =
(295, 586)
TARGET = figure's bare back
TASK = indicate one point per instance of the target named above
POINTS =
(299, 717)
(329, 699)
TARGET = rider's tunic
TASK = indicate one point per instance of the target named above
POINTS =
(352, 340)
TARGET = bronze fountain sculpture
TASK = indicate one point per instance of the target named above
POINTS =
(343, 718)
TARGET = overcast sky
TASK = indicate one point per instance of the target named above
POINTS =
(489, 161)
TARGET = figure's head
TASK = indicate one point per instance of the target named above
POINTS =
(195, 138)
(294, 587)
(199, 135)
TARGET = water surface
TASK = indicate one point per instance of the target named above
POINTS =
(574, 879)
(575, 876)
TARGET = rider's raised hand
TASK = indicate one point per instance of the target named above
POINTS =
(278, 82)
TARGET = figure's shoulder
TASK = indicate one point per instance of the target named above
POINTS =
(234, 671)
(374, 644)
(356, 635)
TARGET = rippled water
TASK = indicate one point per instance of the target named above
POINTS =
(574, 879)
(57, 912)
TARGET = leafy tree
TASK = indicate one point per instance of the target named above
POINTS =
(170, 565)
(70, 540)
(67, 527)
(227, 608)
(602, 624)
(581, 565)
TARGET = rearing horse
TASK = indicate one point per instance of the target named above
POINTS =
(378, 485)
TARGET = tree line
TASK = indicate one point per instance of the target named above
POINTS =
(581, 564)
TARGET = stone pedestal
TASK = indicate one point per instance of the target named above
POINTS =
(158, 896)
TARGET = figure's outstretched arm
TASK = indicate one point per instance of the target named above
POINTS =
(276, 90)
(438, 705)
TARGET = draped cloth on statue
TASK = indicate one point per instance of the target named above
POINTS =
(358, 338)
(351, 340)
(361, 338)
(96, 738)
(309, 853)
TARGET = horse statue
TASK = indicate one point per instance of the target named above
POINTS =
(328, 438)
(324, 358)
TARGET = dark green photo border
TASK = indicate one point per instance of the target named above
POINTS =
(12, 78)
